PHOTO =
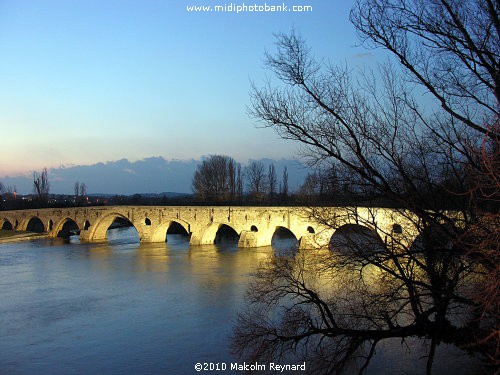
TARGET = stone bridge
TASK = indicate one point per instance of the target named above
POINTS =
(255, 226)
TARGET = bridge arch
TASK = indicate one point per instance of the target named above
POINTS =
(278, 230)
(33, 224)
(263, 236)
(284, 241)
(65, 226)
(160, 234)
(434, 237)
(86, 225)
(226, 232)
(101, 226)
(210, 234)
(6, 224)
(355, 237)
(284, 231)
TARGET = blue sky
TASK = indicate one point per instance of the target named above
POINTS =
(93, 81)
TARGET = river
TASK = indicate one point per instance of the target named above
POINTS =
(122, 307)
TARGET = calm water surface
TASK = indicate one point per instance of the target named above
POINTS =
(119, 307)
(124, 308)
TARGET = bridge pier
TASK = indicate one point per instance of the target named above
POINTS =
(253, 239)
(84, 235)
(146, 233)
(91, 235)
(309, 241)
(247, 239)
(197, 240)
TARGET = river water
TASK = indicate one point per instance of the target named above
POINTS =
(124, 308)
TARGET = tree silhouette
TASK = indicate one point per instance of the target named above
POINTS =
(216, 179)
(41, 185)
(256, 179)
(425, 159)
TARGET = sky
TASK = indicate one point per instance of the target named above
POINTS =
(84, 81)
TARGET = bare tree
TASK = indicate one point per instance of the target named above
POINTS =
(330, 183)
(213, 179)
(272, 182)
(324, 186)
(482, 237)
(449, 47)
(41, 185)
(7, 193)
(80, 190)
(256, 180)
(333, 309)
(239, 183)
(83, 190)
(420, 159)
(232, 179)
(310, 190)
(284, 184)
(12, 190)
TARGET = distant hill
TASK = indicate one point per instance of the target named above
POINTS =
(167, 194)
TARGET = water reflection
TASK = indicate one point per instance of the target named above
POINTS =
(347, 310)
(119, 306)
(123, 236)
(123, 307)
(284, 243)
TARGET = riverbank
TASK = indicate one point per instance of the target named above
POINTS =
(7, 236)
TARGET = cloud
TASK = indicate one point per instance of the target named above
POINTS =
(150, 175)
(364, 55)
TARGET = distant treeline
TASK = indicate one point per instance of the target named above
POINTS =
(220, 180)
